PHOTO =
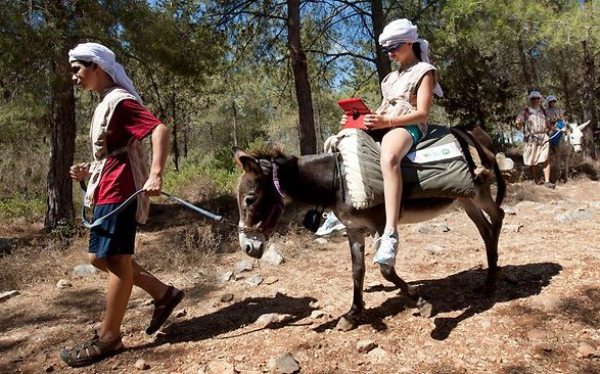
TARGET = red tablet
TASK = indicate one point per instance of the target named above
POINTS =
(355, 109)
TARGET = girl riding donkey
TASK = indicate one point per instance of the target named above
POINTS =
(271, 180)
(401, 119)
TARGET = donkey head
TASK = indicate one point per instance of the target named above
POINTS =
(576, 136)
(260, 200)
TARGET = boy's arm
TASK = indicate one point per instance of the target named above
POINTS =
(160, 151)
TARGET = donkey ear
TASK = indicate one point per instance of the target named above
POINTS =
(245, 161)
(583, 125)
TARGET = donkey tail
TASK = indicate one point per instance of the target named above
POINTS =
(501, 184)
(482, 142)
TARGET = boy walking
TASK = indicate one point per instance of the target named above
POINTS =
(119, 123)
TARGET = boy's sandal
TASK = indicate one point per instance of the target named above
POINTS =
(90, 351)
(163, 309)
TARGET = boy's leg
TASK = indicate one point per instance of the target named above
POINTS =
(141, 277)
(120, 283)
(165, 297)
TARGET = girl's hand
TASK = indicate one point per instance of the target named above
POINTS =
(343, 120)
(376, 121)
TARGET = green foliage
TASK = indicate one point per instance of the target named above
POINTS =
(17, 207)
(204, 170)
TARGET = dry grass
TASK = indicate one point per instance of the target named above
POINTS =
(41, 259)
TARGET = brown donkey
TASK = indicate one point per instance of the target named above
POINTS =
(271, 180)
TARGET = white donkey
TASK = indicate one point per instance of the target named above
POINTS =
(571, 142)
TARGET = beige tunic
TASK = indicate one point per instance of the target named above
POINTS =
(536, 136)
(100, 122)
(399, 90)
(554, 114)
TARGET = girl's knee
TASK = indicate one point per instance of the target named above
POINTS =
(389, 159)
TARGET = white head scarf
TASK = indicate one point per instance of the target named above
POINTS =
(534, 95)
(402, 30)
(550, 98)
(105, 58)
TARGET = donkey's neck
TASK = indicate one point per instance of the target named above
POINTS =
(309, 179)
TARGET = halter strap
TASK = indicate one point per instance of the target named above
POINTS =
(276, 181)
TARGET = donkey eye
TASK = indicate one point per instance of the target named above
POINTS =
(249, 200)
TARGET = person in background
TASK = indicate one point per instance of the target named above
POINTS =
(119, 123)
(535, 125)
(553, 112)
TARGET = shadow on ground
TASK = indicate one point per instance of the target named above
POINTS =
(234, 317)
(69, 306)
(459, 292)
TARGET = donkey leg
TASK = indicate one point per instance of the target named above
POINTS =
(389, 274)
(356, 240)
(490, 232)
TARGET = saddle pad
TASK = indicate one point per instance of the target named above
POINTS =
(435, 153)
(436, 167)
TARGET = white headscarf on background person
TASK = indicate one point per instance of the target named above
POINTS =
(402, 30)
(105, 58)
(550, 98)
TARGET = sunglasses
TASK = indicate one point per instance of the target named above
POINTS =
(392, 48)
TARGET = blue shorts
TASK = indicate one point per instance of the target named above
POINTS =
(413, 130)
(116, 235)
(415, 133)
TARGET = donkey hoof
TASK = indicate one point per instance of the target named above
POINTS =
(346, 323)
(424, 308)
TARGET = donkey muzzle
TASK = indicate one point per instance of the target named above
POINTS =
(253, 244)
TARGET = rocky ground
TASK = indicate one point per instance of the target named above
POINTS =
(242, 316)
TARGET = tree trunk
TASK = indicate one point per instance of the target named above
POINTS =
(306, 125)
(523, 61)
(565, 83)
(589, 105)
(186, 136)
(378, 21)
(59, 209)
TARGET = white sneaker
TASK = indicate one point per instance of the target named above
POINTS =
(330, 225)
(388, 246)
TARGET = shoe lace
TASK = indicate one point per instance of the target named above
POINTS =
(387, 236)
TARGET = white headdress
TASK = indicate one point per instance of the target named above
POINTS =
(402, 30)
(534, 95)
(105, 58)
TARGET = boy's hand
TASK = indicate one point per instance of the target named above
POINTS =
(153, 185)
(79, 171)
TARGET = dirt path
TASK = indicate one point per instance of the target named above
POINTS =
(543, 325)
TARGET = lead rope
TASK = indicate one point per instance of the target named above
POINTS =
(131, 198)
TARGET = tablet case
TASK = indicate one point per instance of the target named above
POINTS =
(355, 109)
